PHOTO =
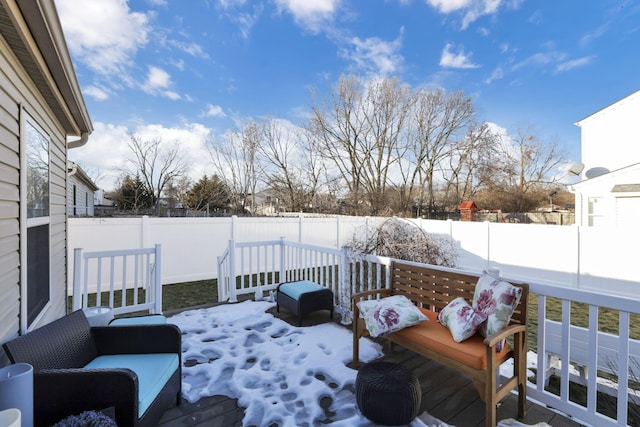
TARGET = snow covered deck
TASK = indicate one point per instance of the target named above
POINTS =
(447, 395)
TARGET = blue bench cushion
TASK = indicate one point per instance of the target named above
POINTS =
(152, 319)
(295, 289)
(153, 371)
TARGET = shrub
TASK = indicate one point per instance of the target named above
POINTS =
(401, 239)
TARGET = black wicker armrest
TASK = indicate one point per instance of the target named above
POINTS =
(59, 393)
(138, 339)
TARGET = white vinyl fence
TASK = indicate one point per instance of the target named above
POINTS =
(590, 258)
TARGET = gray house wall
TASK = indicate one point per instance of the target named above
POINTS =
(18, 96)
(36, 81)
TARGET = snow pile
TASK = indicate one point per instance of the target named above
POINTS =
(280, 373)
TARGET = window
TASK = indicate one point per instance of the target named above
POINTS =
(36, 275)
(596, 211)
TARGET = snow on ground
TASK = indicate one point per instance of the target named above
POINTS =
(278, 372)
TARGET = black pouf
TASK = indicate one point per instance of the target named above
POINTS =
(388, 393)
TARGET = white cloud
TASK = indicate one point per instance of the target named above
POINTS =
(96, 93)
(376, 56)
(192, 49)
(158, 82)
(539, 59)
(104, 35)
(312, 15)
(108, 153)
(574, 63)
(497, 74)
(458, 59)
(244, 14)
(471, 9)
(213, 111)
(448, 6)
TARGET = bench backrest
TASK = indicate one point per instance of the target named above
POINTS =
(63, 343)
(433, 289)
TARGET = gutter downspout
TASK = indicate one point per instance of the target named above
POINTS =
(84, 137)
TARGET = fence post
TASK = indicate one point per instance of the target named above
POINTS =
(300, 216)
(232, 272)
(157, 280)
(77, 279)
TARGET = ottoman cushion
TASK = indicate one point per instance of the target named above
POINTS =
(295, 289)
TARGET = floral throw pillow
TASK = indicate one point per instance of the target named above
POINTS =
(389, 314)
(462, 320)
(497, 299)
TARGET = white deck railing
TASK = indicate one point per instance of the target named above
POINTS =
(133, 272)
(260, 265)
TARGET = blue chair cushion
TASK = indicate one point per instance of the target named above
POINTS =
(153, 371)
(295, 289)
(152, 319)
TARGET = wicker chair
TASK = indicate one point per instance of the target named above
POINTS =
(59, 351)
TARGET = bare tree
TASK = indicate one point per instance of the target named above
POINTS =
(440, 122)
(157, 162)
(357, 131)
(235, 159)
(470, 166)
(524, 171)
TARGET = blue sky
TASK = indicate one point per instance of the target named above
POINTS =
(189, 70)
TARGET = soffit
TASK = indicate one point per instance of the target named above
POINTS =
(49, 67)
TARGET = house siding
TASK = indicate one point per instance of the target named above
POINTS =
(17, 91)
(84, 198)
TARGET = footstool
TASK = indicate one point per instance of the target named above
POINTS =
(388, 393)
(303, 297)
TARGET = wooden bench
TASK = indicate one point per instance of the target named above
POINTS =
(608, 346)
(432, 289)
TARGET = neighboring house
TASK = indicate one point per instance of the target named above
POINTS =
(80, 192)
(42, 115)
(609, 193)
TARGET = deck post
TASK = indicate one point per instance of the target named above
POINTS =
(77, 280)
(232, 272)
(157, 280)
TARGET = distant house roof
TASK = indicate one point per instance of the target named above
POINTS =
(468, 205)
(626, 188)
(32, 30)
(82, 177)
(626, 98)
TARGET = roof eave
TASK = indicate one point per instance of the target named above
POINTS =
(43, 36)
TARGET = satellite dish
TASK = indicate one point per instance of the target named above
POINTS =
(576, 169)
(594, 172)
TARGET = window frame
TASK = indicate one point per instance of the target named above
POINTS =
(26, 223)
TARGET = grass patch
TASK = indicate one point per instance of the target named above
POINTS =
(607, 318)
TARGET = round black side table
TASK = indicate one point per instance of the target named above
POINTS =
(388, 393)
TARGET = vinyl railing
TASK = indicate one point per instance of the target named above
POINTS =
(246, 268)
(130, 278)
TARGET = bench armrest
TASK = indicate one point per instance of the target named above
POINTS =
(493, 340)
(59, 393)
(137, 339)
